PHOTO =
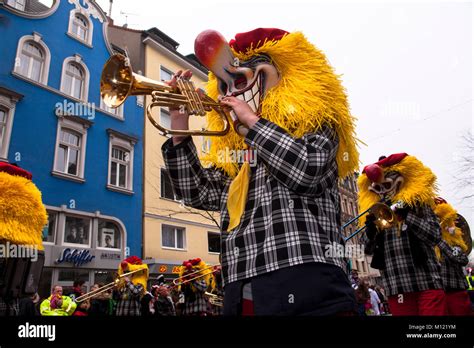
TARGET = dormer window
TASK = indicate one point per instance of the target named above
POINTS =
(80, 27)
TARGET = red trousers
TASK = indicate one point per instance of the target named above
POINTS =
(247, 308)
(427, 302)
(458, 303)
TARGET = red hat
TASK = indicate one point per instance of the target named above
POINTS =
(133, 260)
(374, 171)
(256, 38)
(14, 170)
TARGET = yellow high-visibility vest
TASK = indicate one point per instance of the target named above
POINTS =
(470, 282)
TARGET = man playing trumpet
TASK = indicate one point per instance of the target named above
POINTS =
(290, 111)
(452, 252)
(404, 252)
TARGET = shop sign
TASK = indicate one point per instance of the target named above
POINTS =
(75, 256)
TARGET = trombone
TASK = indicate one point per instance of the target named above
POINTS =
(384, 218)
(214, 299)
(118, 82)
(192, 276)
(106, 287)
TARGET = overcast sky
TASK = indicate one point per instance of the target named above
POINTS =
(407, 67)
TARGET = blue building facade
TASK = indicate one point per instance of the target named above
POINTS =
(86, 159)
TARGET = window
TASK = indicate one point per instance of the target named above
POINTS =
(8, 100)
(166, 187)
(77, 231)
(32, 58)
(165, 74)
(18, 4)
(109, 235)
(173, 237)
(214, 242)
(3, 129)
(120, 162)
(31, 61)
(119, 167)
(74, 80)
(70, 152)
(49, 230)
(80, 27)
(165, 118)
(70, 275)
(103, 277)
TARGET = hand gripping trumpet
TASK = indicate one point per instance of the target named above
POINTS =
(118, 82)
(214, 299)
(384, 218)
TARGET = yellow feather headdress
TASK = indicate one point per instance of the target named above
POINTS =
(419, 186)
(447, 216)
(134, 263)
(308, 96)
(197, 265)
(22, 213)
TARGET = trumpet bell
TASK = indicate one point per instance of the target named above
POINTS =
(462, 224)
(384, 216)
(116, 81)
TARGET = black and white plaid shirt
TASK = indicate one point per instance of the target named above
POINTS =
(198, 304)
(128, 303)
(401, 273)
(452, 262)
(292, 210)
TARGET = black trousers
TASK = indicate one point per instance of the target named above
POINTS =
(307, 289)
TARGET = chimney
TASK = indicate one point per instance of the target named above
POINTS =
(110, 8)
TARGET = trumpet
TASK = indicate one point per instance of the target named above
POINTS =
(214, 299)
(384, 218)
(118, 82)
(192, 276)
(106, 287)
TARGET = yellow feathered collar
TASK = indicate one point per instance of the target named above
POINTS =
(419, 186)
(447, 216)
(308, 96)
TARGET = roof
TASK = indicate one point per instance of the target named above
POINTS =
(167, 42)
